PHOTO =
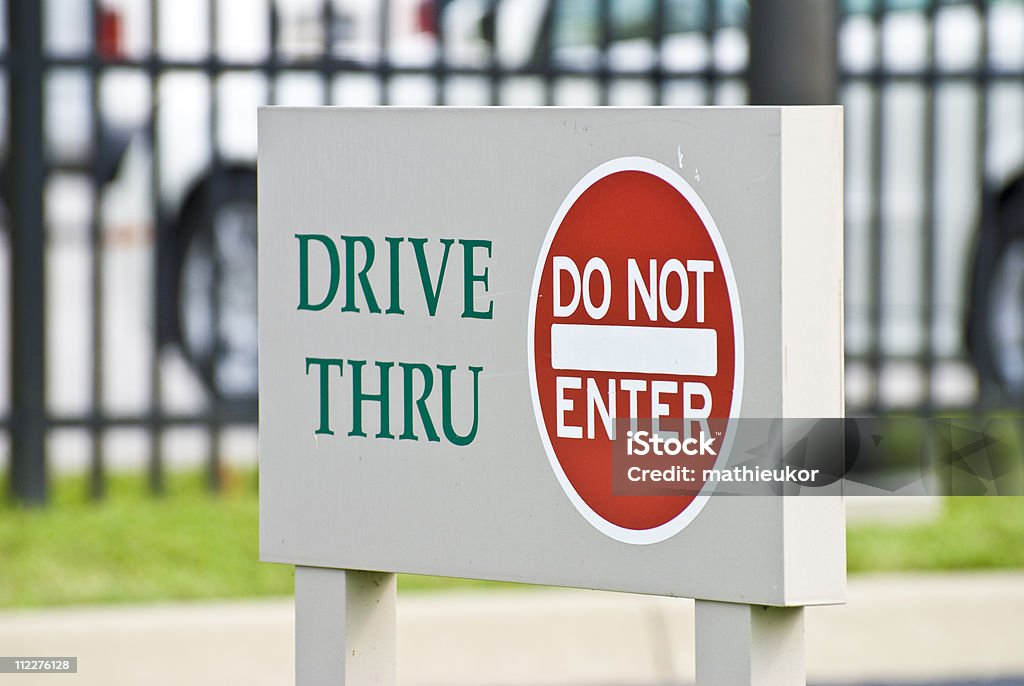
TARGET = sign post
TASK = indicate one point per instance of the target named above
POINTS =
(749, 644)
(542, 346)
(344, 627)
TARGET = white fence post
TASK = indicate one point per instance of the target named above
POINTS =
(344, 627)
(749, 645)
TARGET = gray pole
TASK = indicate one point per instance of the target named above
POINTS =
(793, 52)
(344, 627)
(749, 644)
(25, 193)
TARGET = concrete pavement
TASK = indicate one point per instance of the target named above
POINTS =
(895, 629)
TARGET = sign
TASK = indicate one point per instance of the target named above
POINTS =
(634, 313)
(467, 314)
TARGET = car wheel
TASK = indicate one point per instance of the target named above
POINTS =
(1004, 322)
(217, 287)
(995, 324)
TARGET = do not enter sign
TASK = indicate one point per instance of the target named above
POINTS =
(393, 337)
(634, 316)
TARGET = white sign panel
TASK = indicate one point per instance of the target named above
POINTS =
(473, 323)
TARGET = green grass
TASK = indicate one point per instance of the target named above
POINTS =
(133, 547)
(186, 545)
(191, 545)
(971, 533)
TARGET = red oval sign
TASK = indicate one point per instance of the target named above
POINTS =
(634, 315)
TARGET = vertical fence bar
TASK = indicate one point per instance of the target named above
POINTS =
(983, 85)
(657, 74)
(384, 58)
(604, 37)
(495, 68)
(710, 36)
(440, 72)
(160, 275)
(217, 194)
(792, 51)
(25, 171)
(929, 290)
(97, 483)
(547, 45)
(328, 17)
(272, 65)
(876, 229)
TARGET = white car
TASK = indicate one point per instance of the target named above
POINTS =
(910, 78)
(554, 50)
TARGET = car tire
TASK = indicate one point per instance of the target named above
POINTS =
(216, 293)
(995, 328)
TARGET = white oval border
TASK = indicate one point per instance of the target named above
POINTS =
(677, 524)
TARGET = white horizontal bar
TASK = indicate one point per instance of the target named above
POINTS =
(638, 349)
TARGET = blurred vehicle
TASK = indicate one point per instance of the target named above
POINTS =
(189, 136)
(995, 327)
(689, 37)
(896, 49)
(208, 251)
(954, 67)
(206, 243)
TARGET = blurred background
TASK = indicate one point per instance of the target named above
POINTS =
(128, 237)
(129, 254)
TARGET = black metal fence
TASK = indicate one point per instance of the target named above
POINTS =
(934, 95)
(130, 188)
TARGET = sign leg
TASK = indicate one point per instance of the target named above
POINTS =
(344, 627)
(749, 645)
